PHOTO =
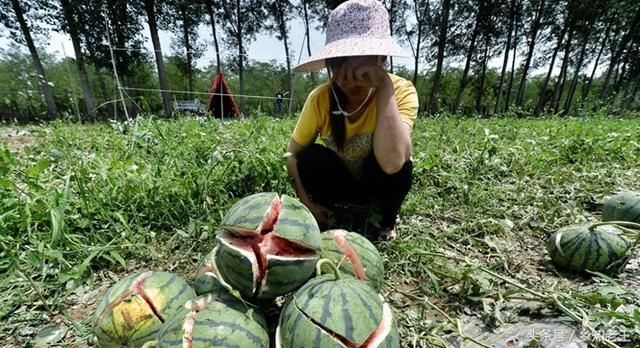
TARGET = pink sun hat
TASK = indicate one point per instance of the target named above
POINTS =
(355, 28)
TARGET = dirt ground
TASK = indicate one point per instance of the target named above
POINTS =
(16, 140)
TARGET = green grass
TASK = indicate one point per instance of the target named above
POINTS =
(87, 204)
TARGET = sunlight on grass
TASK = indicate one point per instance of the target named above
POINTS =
(86, 201)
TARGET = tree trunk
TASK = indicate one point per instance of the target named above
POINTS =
(416, 54)
(617, 54)
(434, 104)
(467, 64)
(82, 72)
(52, 110)
(630, 95)
(105, 93)
(187, 47)
(390, 10)
(557, 93)
(416, 51)
(132, 107)
(240, 55)
(285, 38)
(507, 102)
(617, 86)
(607, 78)
(505, 62)
(149, 6)
(574, 83)
(587, 88)
(212, 19)
(535, 27)
(305, 13)
(480, 92)
(543, 90)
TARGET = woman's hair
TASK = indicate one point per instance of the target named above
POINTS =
(338, 129)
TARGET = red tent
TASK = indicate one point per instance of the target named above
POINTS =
(221, 102)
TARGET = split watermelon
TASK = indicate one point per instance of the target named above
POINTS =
(132, 311)
(268, 247)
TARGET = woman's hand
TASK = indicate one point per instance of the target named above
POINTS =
(362, 72)
(319, 212)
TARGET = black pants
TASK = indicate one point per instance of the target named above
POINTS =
(328, 182)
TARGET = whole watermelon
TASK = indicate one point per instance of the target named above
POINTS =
(624, 206)
(215, 321)
(355, 255)
(588, 247)
(269, 246)
(336, 311)
(132, 311)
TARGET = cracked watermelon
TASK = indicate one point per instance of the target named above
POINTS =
(215, 321)
(207, 281)
(268, 247)
(132, 311)
(336, 311)
(355, 255)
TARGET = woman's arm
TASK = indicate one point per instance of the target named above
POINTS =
(392, 136)
(293, 150)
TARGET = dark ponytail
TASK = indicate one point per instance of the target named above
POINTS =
(338, 129)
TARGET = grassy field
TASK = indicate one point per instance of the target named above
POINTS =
(83, 205)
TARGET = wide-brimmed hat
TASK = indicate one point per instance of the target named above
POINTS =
(355, 28)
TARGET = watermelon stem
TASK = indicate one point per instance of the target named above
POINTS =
(635, 228)
(581, 318)
(322, 262)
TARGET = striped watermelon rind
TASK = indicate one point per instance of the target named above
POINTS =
(369, 263)
(268, 246)
(297, 224)
(624, 206)
(294, 222)
(238, 269)
(207, 280)
(248, 213)
(327, 307)
(584, 247)
(133, 310)
(215, 321)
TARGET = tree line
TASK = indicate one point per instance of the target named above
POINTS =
(590, 52)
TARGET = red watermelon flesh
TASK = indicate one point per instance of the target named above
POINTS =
(266, 243)
(259, 247)
(340, 237)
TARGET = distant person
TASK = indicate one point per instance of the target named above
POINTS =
(279, 101)
(364, 117)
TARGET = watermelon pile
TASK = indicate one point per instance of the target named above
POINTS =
(269, 255)
(602, 246)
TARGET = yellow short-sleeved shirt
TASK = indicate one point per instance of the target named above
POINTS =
(314, 121)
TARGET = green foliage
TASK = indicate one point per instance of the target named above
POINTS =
(92, 197)
(149, 194)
